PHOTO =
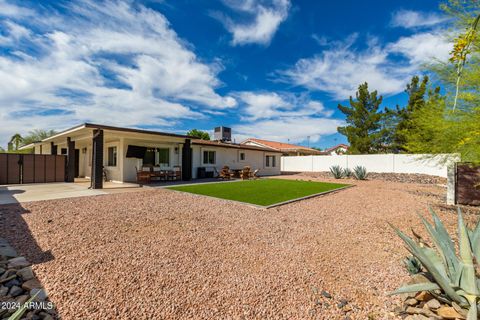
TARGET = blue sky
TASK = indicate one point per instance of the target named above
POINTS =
(273, 69)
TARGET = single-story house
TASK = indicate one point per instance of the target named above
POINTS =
(339, 149)
(286, 149)
(122, 151)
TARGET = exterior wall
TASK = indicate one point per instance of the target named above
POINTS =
(114, 173)
(394, 163)
(231, 157)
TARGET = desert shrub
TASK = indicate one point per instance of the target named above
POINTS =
(360, 173)
(337, 172)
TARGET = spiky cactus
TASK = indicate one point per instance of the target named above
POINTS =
(337, 172)
(453, 276)
(347, 173)
(360, 173)
(412, 265)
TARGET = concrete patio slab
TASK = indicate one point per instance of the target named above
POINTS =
(44, 191)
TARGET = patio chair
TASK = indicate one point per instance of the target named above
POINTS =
(245, 173)
(159, 174)
(225, 173)
(143, 176)
(254, 174)
(175, 174)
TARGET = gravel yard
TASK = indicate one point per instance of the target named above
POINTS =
(159, 254)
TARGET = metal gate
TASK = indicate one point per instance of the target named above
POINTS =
(31, 168)
(467, 184)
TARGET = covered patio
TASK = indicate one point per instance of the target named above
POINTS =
(106, 155)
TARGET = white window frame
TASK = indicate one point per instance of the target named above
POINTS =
(270, 163)
(240, 156)
(214, 157)
(157, 157)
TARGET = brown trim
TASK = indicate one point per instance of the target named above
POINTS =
(112, 128)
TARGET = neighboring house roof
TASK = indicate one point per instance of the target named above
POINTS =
(284, 147)
(232, 145)
(341, 145)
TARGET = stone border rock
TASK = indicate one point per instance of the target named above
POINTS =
(18, 284)
(423, 305)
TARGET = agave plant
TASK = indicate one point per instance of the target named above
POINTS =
(347, 172)
(412, 265)
(360, 173)
(453, 276)
(337, 172)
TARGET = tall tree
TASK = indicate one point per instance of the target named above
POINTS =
(364, 130)
(16, 141)
(199, 134)
(400, 119)
(452, 121)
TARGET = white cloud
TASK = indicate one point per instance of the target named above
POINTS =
(293, 129)
(7, 9)
(412, 19)
(387, 68)
(283, 116)
(269, 105)
(117, 63)
(264, 20)
(422, 47)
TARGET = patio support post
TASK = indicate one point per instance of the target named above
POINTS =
(187, 160)
(70, 160)
(97, 159)
(53, 148)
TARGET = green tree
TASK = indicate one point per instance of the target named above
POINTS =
(37, 135)
(199, 134)
(450, 124)
(399, 120)
(15, 142)
(364, 130)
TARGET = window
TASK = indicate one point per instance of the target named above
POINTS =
(112, 157)
(157, 157)
(209, 157)
(149, 157)
(242, 156)
(164, 157)
(270, 161)
(63, 151)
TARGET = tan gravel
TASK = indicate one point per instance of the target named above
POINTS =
(159, 254)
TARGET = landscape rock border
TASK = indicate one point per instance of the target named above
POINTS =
(18, 284)
(424, 305)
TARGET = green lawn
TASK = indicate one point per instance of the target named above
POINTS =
(264, 192)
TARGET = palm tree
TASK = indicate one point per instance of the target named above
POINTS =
(16, 140)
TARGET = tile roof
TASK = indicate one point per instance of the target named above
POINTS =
(231, 145)
(341, 145)
(282, 146)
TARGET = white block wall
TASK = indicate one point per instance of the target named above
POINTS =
(394, 163)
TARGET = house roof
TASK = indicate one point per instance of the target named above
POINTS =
(121, 129)
(232, 145)
(282, 146)
(341, 145)
(105, 127)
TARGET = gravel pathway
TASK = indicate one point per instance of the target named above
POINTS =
(159, 254)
